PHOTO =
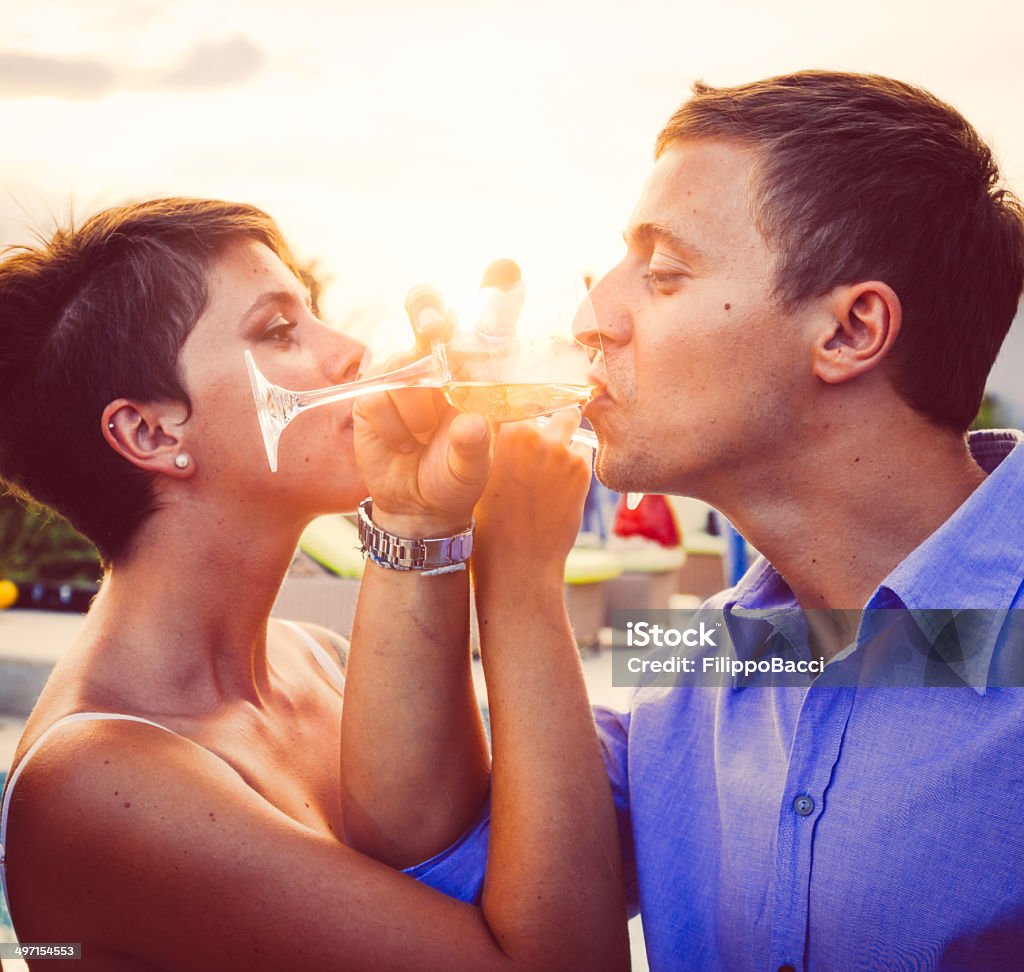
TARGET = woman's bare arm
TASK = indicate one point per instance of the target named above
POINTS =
(145, 847)
(551, 800)
(554, 848)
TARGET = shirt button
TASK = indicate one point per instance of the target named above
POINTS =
(786, 968)
(803, 805)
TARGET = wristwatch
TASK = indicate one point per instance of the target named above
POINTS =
(428, 554)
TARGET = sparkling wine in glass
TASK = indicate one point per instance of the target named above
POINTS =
(499, 356)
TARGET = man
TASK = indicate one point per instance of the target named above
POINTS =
(818, 277)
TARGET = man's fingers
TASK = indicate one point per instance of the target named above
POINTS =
(430, 322)
(417, 410)
(381, 411)
(469, 455)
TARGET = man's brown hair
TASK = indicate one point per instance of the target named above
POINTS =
(860, 177)
(95, 313)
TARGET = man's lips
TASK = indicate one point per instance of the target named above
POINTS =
(602, 393)
(602, 400)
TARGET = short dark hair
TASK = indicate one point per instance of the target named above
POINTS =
(860, 177)
(96, 313)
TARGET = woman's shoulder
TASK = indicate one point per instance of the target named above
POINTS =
(65, 752)
(324, 644)
(114, 805)
(72, 777)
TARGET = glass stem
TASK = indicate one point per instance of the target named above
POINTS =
(417, 374)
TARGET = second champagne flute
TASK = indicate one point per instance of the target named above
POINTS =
(503, 358)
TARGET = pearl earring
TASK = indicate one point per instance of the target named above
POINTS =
(181, 461)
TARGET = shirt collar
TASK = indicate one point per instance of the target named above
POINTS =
(761, 605)
(975, 560)
(967, 574)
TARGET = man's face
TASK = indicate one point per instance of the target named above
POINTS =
(706, 375)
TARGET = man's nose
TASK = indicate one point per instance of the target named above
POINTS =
(603, 318)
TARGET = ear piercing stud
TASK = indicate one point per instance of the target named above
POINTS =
(181, 461)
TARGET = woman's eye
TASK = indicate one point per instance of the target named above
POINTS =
(280, 330)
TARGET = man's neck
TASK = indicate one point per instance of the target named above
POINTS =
(846, 513)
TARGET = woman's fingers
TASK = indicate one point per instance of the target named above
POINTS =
(560, 426)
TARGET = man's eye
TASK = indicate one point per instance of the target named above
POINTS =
(662, 281)
(280, 330)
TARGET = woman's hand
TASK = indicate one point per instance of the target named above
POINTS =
(547, 763)
(531, 508)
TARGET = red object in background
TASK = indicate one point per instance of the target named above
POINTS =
(653, 519)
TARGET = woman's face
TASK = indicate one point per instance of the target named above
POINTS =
(256, 303)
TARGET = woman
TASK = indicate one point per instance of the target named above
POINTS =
(176, 801)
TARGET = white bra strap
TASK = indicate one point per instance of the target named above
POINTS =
(74, 717)
(321, 654)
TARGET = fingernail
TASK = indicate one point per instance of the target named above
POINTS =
(477, 432)
(428, 316)
(408, 446)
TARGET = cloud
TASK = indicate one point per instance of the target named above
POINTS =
(23, 75)
(130, 13)
(203, 67)
(214, 65)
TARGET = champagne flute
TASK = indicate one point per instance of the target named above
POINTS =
(501, 315)
(500, 358)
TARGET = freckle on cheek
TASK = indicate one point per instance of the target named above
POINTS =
(728, 306)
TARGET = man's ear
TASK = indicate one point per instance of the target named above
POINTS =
(149, 435)
(866, 320)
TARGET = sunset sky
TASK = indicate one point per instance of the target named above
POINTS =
(401, 141)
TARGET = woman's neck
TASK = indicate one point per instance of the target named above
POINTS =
(189, 606)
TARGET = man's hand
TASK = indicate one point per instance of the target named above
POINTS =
(424, 464)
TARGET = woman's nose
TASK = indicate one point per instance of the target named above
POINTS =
(344, 356)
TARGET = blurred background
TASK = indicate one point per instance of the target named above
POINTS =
(400, 142)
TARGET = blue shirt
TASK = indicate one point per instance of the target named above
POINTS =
(845, 822)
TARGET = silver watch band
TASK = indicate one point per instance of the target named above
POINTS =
(427, 554)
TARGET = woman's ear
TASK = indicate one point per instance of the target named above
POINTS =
(866, 320)
(149, 435)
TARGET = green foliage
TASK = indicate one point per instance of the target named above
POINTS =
(38, 545)
(991, 415)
